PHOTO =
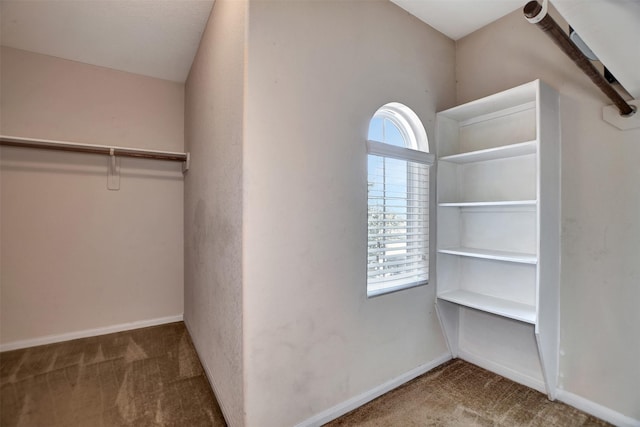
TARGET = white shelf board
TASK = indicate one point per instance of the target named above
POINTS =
(518, 257)
(508, 99)
(503, 152)
(489, 203)
(501, 307)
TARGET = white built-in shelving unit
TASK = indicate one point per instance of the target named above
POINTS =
(498, 232)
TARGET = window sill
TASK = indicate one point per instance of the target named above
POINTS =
(392, 289)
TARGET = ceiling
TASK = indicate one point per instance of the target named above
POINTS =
(159, 38)
(611, 28)
(457, 18)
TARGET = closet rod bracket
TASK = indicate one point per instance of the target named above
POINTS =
(113, 171)
(187, 163)
(611, 115)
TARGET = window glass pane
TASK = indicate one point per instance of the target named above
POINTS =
(382, 129)
(392, 134)
(398, 223)
(398, 202)
(375, 129)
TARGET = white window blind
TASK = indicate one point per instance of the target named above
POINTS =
(398, 218)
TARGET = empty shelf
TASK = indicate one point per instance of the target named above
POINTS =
(493, 203)
(503, 152)
(499, 104)
(491, 254)
(511, 309)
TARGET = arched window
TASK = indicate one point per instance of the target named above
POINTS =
(398, 200)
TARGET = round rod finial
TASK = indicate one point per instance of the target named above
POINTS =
(532, 9)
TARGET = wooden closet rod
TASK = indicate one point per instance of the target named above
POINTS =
(45, 144)
(537, 14)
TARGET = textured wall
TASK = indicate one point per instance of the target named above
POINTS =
(213, 203)
(317, 71)
(600, 209)
(76, 256)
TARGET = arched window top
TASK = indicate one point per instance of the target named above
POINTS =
(396, 124)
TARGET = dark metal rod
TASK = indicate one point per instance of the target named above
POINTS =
(547, 24)
(81, 148)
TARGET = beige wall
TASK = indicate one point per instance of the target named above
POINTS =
(213, 203)
(599, 349)
(317, 71)
(74, 255)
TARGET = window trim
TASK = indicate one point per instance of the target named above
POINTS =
(405, 119)
(383, 149)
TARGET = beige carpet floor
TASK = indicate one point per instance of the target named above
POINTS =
(145, 377)
(461, 394)
(152, 377)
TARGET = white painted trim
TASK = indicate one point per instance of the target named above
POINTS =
(50, 339)
(597, 410)
(540, 16)
(534, 383)
(210, 377)
(359, 400)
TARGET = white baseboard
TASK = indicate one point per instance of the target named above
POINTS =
(570, 399)
(50, 339)
(536, 384)
(597, 410)
(359, 400)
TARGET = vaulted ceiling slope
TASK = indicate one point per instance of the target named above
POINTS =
(457, 18)
(157, 38)
(611, 28)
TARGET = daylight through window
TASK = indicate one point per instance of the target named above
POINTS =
(398, 201)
